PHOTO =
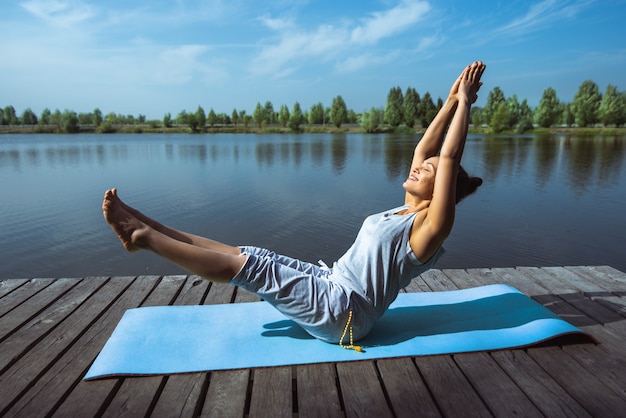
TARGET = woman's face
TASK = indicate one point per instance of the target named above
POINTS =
(421, 179)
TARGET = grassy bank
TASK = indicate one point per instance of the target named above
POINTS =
(277, 129)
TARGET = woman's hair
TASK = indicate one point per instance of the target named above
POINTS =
(466, 185)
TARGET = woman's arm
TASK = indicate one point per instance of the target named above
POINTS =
(430, 144)
(439, 219)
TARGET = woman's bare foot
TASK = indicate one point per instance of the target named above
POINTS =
(128, 228)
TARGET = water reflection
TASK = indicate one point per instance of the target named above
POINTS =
(540, 190)
(546, 152)
(339, 152)
(588, 161)
(592, 162)
(399, 154)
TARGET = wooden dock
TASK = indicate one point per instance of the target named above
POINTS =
(51, 330)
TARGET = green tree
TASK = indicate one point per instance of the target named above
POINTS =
(111, 118)
(9, 116)
(500, 119)
(549, 109)
(283, 115)
(270, 115)
(612, 110)
(428, 110)
(69, 122)
(234, 117)
(55, 118)
(97, 117)
(476, 116)
(244, 118)
(45, 117)
(29, 117)
(525, 111)
(372, 119)
(526, 118)
(568, 116)
(85, 118)
(258, 115)
(199, 119)
(494, 99)
(338, 112)
(167, 120)
(316, 115)
(411, 107)
(514, 110)
(212, 118)
(587, 103)
(247, 119)
(394, 110)
(295, 119)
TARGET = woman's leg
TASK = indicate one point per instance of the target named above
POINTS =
(136, 234)
(185, 237)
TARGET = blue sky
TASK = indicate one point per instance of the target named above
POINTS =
(151, 57)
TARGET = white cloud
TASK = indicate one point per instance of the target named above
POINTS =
(389, 22)
(357, 62)
(429, 42)
(60, 13)
(276, 23)
(321, 44)
(296, 48)
(542, 15)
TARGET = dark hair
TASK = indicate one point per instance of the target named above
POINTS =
(466, 185)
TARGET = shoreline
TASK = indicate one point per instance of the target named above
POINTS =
(277, 129)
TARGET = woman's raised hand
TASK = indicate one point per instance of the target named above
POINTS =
(469, 82)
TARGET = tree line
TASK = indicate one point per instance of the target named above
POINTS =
(588, 108)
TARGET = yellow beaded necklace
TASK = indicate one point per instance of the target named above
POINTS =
(343, 336)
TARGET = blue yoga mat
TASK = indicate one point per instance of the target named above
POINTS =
(181, 339)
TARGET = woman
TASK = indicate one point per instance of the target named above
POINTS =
(390, 249)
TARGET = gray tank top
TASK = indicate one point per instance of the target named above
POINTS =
(381, 262)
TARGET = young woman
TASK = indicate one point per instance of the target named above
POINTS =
(390, 249)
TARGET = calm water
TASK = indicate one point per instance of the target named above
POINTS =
(545, 201)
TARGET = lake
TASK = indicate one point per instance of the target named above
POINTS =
(546, 200)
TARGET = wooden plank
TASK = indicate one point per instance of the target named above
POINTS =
(463, 279)
(417, 285)
(614, 274)
(548, 396)
(577, 280)
(243, 296)
(453, 393)
(39, 326)
(184, 394)
(606, 364)
(9, 285)
(227, 394)
(317, 391)
(132, 396)
(189, 386)
(437, 281)
(406, 389)
(272, 393)
(495, 387)
(519, 280)
(38, 302)
(25, 372)
(545, 279)
(611, 297)
(69, 369)
(361, 390)
(597, 360)
(589, 391)
(22, 293)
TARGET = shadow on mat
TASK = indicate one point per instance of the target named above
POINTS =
(405, 323)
